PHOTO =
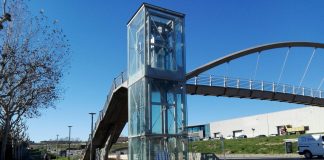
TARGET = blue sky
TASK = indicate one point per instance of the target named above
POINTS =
(97, 32)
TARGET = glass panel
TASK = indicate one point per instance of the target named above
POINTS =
(136, 46)
(170, 98)
(171, 120)
(162, 43)
(157, 119)
(136, 108)
(179, 43)
(156, 95)
(136, 149)
(170, 148)
(168, 94)
(207, 131)
(180, 114)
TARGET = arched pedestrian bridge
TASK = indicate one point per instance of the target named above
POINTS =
(113, 117)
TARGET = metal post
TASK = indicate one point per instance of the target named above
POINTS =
(114, 83)
(293, 89)
(262, 86)
(303, 91)
(238, 83)
(320, 94)
(268, 123)
(91, 147)
(273, 87)
(101, 115)
(225, 81)
(223, 147)
(283, 88)
(196, 80)
(210, 80)
(57, 152)
(69, 149)
(122, 77)
(250, 84)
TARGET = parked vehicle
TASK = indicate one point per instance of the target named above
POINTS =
(311, 145)
(241, 136)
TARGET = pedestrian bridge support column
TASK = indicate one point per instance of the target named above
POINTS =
(157, 113)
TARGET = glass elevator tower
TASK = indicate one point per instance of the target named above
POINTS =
(157, 113)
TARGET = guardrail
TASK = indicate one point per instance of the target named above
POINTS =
(223, 81)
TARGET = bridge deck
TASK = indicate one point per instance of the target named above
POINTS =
(115, 114)
(253, 94)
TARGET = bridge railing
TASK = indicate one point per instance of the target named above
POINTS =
(223, 81)
(117, 82)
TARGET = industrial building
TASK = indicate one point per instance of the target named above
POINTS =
(307, 119)
(198, 132)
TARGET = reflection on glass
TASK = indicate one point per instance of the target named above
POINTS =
(162, 43)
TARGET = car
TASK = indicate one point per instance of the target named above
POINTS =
(241, 136)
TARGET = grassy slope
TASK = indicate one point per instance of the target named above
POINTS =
(266, 145)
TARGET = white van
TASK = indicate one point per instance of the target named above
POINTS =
(311, 145)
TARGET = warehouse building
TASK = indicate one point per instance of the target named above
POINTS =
(308, 119)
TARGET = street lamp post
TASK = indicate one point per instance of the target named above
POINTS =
(91, 134)
(223, 146)
(69, 142)
(57, 152)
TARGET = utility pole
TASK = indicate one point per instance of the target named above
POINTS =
(91, 134)
(69, 149)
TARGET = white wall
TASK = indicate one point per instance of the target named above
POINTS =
(266, 124)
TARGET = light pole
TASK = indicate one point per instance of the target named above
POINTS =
(69, 142)
(57, 152)
(223, 146)
(91, 113)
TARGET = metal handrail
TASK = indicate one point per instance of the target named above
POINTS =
(223, 81)
(117, 82)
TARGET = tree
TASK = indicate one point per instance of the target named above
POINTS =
(33, 58)
(6, 16)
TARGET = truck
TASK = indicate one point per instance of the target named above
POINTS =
(311, 145)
